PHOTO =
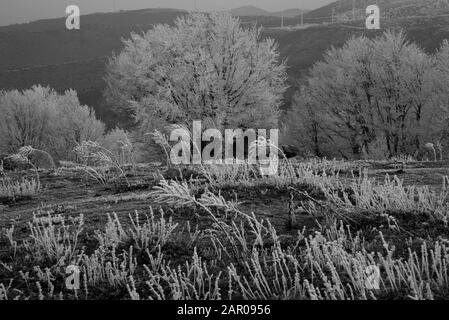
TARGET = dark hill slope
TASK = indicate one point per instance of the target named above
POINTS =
(390, 9)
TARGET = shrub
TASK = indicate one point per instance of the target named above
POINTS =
(16, 190)
(52, 239)
(41, 118)
(366, 196)
(100, 163)
(118, 142)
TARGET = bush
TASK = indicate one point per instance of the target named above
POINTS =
(103, 164)
(15, 190)
(119, 144)
(45, 120)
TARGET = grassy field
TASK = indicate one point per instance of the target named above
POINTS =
(225, 232)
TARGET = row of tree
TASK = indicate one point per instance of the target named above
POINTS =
(373, 98)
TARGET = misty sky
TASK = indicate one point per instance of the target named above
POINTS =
(18, 11)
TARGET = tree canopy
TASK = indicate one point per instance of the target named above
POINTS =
(382, 95)
(205, 67)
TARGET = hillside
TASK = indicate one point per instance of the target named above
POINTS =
(48, 42)
(45, 52)
(390, 9)
(251, 11)
(289, 13)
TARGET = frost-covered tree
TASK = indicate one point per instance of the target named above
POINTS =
(373, 94)
(336, 91)
(303, 126)
(440, 133)
(205, 67)
(403, 88)
(43, 119)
